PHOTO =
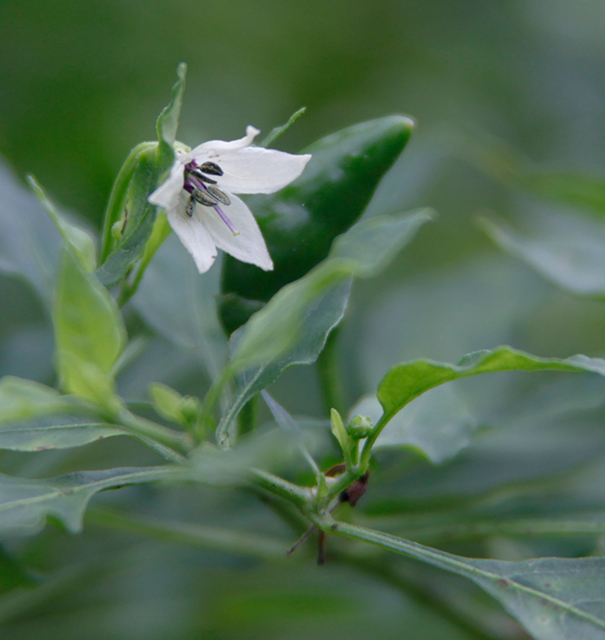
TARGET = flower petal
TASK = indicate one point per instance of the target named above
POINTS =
(209, 150)
(167, 194)
(193, 234)
(249, 245)
(257, 170)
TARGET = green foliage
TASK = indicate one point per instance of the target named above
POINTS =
(315, 321)
(438, 424)
(554, 598)
(21, 399)
(405, 382)
(300, 222)
(362, 252)
(89, 333)
(173, 301)
(293, 327)
(412, 443)
(29, 242)
(25, 504)
(564, 187)
(80, 241)
(60, 432)
(568, 250)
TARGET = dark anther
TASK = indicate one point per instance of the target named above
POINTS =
(190, 206)
(199, 175)
(215, 192)
(204, 198)
(211, 168)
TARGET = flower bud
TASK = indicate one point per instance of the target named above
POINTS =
(359, 427)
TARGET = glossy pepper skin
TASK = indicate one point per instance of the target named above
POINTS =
(300, 222)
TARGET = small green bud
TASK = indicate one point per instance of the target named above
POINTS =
(359, 427)
(190, 408)
(171, 405)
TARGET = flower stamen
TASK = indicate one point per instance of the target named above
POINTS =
(209, 167)
(200, 176)
(203, 190)
(219, 195)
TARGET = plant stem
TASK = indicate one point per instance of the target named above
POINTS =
(148, 430)
(246, 418)
(298, 496)
(329, 374)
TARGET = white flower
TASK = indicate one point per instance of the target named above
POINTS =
(199, 199)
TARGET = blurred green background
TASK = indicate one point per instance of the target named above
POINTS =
(81, 83)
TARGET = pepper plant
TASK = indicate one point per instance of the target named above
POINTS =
(295, 248)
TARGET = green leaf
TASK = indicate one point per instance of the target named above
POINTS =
(407, 381)
(540, 441)
(81, 243)
(553, 598)
(509, 166)
(338, 430)
(89, 333)
(276, 329)
(567, 250)
(438, 424)
(314, 323)
(347, 445)
(58, 432)
(573, 189)
(363, 251)
(29, 242)
(371, 245)
(22, 399)
(25, 503)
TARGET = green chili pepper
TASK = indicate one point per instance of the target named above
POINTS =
(300, 222)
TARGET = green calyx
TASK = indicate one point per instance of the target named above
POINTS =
(300, 222)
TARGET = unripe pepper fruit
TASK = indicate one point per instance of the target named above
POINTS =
(300, 222)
